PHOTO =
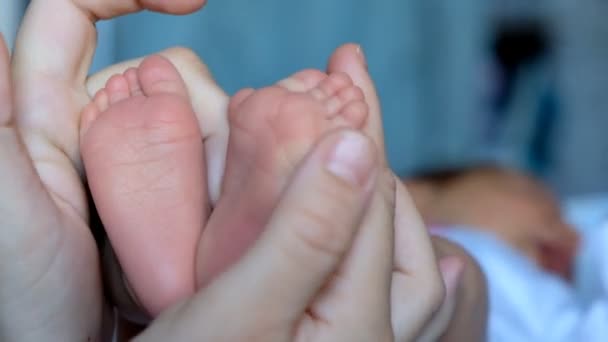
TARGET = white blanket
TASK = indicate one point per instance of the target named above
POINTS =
(527, 304)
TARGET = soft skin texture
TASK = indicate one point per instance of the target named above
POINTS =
(470, 317)
(271, 130)
(296, 271)
(143, 154)
(50, 65)
(56, 253)
(349, 59)
(409, 226)
(321, 232)
(331, 329)
(209, 101)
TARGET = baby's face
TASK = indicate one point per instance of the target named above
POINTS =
(515, 208)
(506, 207)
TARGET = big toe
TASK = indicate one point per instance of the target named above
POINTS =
(157, 75)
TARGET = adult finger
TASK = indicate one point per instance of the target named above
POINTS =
(310, 232)
(451, 269)
(52, 56)
(466, 296)
(30, 253)
(416, 271)
(364, 280)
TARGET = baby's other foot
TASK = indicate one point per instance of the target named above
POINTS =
(143, 155)
(271, 131)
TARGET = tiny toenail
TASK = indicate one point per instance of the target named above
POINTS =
(352, 159)
(362, 56)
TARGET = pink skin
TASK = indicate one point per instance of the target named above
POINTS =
(271, 130)
(410, 275)
(143, 154)
(43, 169)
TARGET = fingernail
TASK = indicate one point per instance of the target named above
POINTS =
(452, 269)
(361, 56)
(352, 159)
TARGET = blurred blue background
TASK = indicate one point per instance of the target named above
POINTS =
(518, 82)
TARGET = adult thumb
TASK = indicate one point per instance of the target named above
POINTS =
(265, 294)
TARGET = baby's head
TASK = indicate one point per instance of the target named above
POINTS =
(485, 196)
(514, 206)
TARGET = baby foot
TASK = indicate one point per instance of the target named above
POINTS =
(271, 131)
(143, 155)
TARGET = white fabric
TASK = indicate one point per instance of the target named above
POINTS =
(527, 304)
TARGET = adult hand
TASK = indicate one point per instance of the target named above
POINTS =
(322, 258)
(50, 95)
(294, 268)
(323, 268)
(308, 280)
(48, 252)
(415, 269)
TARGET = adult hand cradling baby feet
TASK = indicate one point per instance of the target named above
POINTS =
(268, 137)
(309, 226)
